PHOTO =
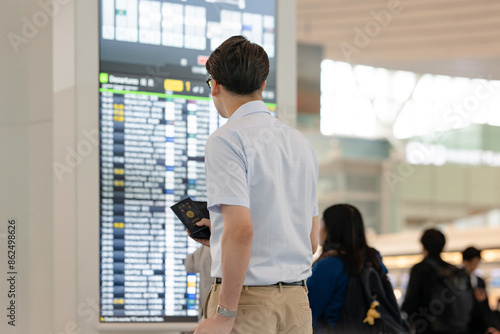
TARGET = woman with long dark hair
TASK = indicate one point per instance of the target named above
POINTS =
(345, 253)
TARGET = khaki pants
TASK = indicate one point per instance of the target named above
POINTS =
(269, 309)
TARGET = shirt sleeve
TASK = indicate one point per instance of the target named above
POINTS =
(326, 280)
(225, 167)
(191, 262)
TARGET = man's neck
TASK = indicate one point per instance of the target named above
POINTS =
(232, 104)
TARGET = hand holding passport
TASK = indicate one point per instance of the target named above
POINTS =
(190, 212)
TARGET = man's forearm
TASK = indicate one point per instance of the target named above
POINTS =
(315, 234)
(236, 248)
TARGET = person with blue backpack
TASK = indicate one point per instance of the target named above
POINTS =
(349, 291)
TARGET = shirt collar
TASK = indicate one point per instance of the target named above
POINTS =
(248, 108)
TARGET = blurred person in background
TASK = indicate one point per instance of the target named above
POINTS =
(433, 304)
(482, 318)
(200, 261)
(345, 254)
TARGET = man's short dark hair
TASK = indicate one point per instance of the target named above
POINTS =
(239, 65)
(470, 253)
(433, 241)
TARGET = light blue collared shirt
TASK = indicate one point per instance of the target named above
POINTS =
(258, 162)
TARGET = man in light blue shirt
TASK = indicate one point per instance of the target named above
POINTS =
(261, 188)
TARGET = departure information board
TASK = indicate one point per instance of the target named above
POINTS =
(155, 117)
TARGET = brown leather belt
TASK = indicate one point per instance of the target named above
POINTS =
(218, 280)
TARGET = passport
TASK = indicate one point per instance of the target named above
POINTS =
(190, 212)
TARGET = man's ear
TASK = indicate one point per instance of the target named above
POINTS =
(215, 87)
(263, 86)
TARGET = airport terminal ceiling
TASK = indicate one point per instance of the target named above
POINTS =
(457, 38)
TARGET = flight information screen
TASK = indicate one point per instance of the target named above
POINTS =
(155, 117)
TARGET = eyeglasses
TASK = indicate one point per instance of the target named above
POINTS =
(209, 82)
